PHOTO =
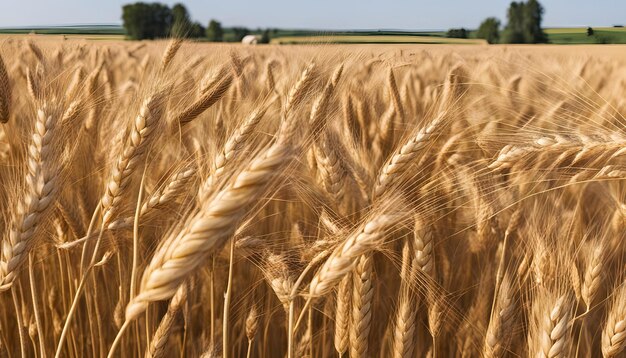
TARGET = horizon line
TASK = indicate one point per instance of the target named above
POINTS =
(119, 25)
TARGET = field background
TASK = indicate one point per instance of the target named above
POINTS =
(565, 35)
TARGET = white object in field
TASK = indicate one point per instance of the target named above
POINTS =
(249, 40)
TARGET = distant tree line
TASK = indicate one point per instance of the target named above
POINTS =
(523, 26)
(457, 33)
(155, 20)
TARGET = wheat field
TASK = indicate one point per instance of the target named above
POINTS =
(166, 199)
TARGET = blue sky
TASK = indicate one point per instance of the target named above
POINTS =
(320, 14)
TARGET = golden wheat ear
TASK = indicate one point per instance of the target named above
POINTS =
(502, 321)
(614, 332)
(211, 227)
(42, 186)
(171, 50)
(358, 243)
(5, 93)
(361, 201)
(550, 330)
(142, 134)
(163, 332)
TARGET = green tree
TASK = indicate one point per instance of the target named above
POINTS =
(240, 33)
(214, 32)
(589, 31)
(524, 23)
(146, 21)
(265, 37)
(197, 31)
(181, 21)
(457, 33)
(514, 30)
(489, 30)
(533, 16)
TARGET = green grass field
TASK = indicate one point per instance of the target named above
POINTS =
(602, 35)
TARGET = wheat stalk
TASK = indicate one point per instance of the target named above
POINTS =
(252, 325)
(170, 52)
(560, 152)
(344, 258)
(614, 332)
(330, 167)
(395, 95)
(75, 84)
(206, 100)
(161, 336)
(362, 299)
(342, 315)
(424, 248)
(269, 73)
(550, 328)
(175, 185)
(403, 344)
(499, 331)
(593, 275)
(299, 92)
(407, 154)
(36, 50)
(210, 228)
(33, 85)
(232, 149)
(42, 185)
(279, 279)
(141, 135)
(5, 93)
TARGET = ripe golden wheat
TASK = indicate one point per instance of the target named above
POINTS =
(168, 199)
